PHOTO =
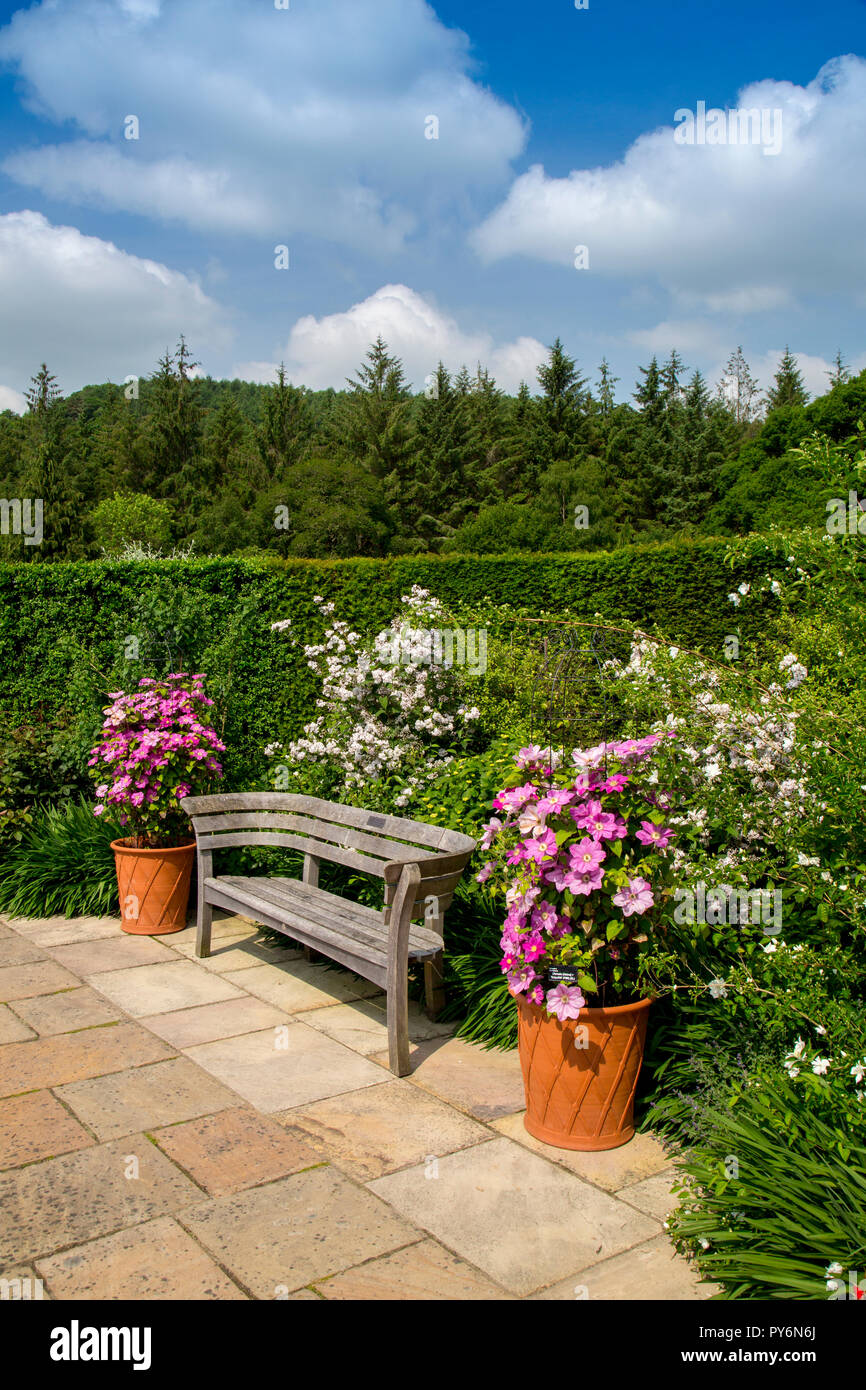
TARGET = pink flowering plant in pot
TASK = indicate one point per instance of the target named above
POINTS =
(157, 746)
(582, 856)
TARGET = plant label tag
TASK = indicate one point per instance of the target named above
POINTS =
(561, 975)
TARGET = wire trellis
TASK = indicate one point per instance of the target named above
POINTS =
(571, 704)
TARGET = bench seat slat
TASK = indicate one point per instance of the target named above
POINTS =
(325, 913)
(339, 948)
(319, 907)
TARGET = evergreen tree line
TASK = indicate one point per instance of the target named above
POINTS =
(374, 469)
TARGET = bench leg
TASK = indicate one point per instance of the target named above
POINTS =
(398, 1031)
(434, 986)
(203, 920)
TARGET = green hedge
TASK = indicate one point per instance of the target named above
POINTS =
(678, 590)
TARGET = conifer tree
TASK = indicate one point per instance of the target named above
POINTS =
(46, 473)
(840, 373)
(787, 388)
(738, 389)
(372, 427)
(286, 428)
(561, 408)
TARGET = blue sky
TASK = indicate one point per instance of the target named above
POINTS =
(305, 127)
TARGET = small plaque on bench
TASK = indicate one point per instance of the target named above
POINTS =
(377, 821)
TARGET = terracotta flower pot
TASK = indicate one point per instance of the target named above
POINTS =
(153, 885)
(580, 1085)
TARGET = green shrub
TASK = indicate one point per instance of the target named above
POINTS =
(774, 1197)
(62, 865)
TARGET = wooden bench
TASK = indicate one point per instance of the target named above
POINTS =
(420, 865)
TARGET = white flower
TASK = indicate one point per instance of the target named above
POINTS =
(673, 653)
(718, 989)
(822, 1032)
(798, 1049)
(834, 1268)
(281, 625)
(858, 1071)
(735, 599)
(821, 1065)
(770, 948)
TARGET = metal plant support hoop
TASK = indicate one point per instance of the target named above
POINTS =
(570, 701)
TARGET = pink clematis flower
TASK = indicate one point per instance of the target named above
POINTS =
(520, 979)
(565, 1001)
(635, 898)
(658, 835)
(586, 856)
(540, 847)
(554, 801)
(491, 830)
(543, 917)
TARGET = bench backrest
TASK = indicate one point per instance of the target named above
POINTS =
(366, 841)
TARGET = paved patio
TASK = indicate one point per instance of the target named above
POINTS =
(228, 1129)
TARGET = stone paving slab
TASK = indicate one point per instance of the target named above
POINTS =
(653, 1195)
(642, 1157)
(523, 1221)
(423, 1272)
(61, 931)
(484, 1084)
(649, 1271)
(88, 958)
(54, 1061)
(156, 1260)
(205, 1023)
(11, 1027)
(283, 1067)
(363, 1025)
(35, 1126)
(289, 1233)
(59, 1203)
(239, 953)
(394, 1125)
(235, 1149)
(22, 1282)
(68, 1012)
(17, 950)
(145, 1097)
(38, 977)
(162, 989)
(221, 927)
(302, 985)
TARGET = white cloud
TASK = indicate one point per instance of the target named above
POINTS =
(258, 120)
(724, 226)
(92, 311)
(325, 351)
(12, 400)
(686, 335)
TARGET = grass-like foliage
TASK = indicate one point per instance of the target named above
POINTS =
(62, 866)
(774, 1198)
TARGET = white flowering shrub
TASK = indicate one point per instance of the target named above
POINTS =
(392, 718)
